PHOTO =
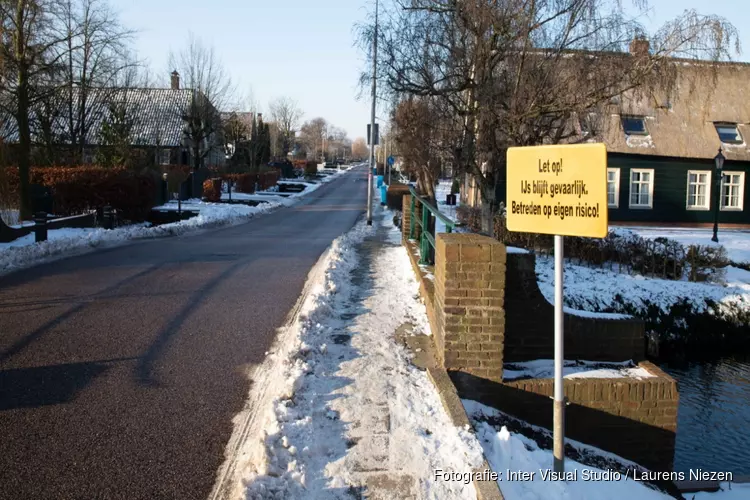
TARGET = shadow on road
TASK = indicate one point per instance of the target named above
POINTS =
(48, 385)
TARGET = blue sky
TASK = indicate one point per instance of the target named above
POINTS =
(304, 48)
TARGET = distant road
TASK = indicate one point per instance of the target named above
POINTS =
(121, 370)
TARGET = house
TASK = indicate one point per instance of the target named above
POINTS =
(661, 147)
(155, 122)
(660, 161)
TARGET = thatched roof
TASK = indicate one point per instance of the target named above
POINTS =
(681, 122)
(157, 115)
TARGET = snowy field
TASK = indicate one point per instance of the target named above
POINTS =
(595, 289)
(507, 450)
(736, 242)
(443, 189)
(343, 400)
(24, 252)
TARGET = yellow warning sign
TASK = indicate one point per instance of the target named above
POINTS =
(558, 190)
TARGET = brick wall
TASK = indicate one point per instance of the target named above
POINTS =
(469, 292)
(529, 331)
(405, 217)
(636, 419)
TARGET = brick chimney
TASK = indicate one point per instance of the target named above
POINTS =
(639, 46)
(175, 80)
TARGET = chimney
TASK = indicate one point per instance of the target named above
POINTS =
(175, 80)
(639, 46)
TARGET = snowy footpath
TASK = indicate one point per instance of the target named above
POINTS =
(339, 410)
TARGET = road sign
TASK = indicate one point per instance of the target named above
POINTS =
(559, 190)
(377, 135)
(391, 160)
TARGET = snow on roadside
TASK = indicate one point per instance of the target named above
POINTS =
(24, 252)
(597, 289)
(348, 396)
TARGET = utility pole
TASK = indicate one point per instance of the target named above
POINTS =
(372, 117)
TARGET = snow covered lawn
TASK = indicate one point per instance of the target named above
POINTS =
(736, 242)
(596, 289)
(515, 452)
(598, 474)
(443, 189)
(545, 368)
(346, 413)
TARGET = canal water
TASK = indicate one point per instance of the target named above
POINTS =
(713, 423)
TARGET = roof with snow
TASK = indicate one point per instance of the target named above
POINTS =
(681, 122)
(157, 115)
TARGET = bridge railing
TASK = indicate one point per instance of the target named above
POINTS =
(427, 230)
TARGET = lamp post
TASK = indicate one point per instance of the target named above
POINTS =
(372, 117)
(719, 162)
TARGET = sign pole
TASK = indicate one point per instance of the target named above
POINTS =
(558, 417)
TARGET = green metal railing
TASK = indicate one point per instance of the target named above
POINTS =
(426, 238)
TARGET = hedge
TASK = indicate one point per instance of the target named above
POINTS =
(245, 183)
(76, 190)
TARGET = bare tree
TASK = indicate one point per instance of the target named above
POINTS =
(211, 86)
(417, 134)
(359, 148)
(31, 55)
(96, 56)
(287, 114)
(313, 135)
(519, 72)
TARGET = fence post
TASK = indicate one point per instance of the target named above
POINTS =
(425, 244)
(107, 221)
(40, 227)
(411, 219)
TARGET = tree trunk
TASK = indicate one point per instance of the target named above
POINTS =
(22, 116)
(489, 208)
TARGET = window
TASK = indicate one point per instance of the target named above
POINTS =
(699, 190)
(613, 187)
(732, 190)
(728, 133)
(634, 125)
(164, 157)
(641, 188)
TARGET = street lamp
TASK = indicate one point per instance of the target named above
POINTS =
(719, 162)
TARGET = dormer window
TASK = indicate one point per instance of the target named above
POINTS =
(728, 133)
(634, 125)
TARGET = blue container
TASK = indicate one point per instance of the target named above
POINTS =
(383, 194)
(380, 181)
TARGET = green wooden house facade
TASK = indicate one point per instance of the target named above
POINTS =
(652, 189)
(661, 148)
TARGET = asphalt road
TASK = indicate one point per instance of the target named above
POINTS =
(121, 370)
